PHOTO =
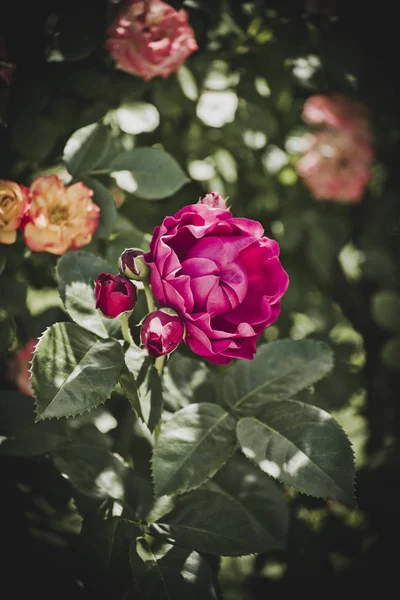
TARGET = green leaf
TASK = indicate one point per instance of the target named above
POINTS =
(302, 446)
(186, 380)
(169, 572)
(85, 148)
(386, 310)
(106, 202)
(154, 389)
(73, 371)
(192, 446)
(279, 370)
(130, 389)
(134, 238)
(76, 272)
(100, 474)
(13, 296)
(214, 523)
(258, 494)
(34, 136)
(154, 172)
(104, 552)
(20, 435)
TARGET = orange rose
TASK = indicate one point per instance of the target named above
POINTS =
(14, 203)
(60, 217)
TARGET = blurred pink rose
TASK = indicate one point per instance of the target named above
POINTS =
(14, 203)
(19, 367)
(339, 112)
(222, 277)
(150, 38)
(337, 166)
(59, 217)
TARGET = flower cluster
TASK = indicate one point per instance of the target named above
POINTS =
(217, 280)
(337, 163)
(53, 217)
(150, 39)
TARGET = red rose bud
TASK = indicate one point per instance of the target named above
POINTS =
(214, 200)
(115, 294)
(132, 265)
(162, 332)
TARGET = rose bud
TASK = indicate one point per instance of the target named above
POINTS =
(214, 200)
(115, 294)
(162, 332)
(132, 265)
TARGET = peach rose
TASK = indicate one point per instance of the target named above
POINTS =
(59, 217)
(337, 166)
(150, 38)
(19, 367)
(14, 203)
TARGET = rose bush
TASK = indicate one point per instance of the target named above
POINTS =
(14, 203)
(220, 274)
(162, 332)
(59, 217)
(150, 38)
(115, 294)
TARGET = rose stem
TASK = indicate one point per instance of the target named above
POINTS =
(149, 296)
(126, 332)
(159, 364)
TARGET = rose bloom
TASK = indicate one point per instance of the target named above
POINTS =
(59, 217)
(150, 38)
(14, 203)
(337, 166)
(19, 367)
(162, 332)
(222, 277)
(115, 294)
(339, 112)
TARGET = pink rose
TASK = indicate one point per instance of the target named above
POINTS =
(337, 166)
(59, 217)
(339, 112)
(162, 332)
(150, 38)
(222, 277)
(19, 367)
(115, 294)
(14, 203)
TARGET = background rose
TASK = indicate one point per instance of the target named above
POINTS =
(222, 277)
(337, 111)
(337, 166)
(150, 40)
(59, 217)
(14, 202)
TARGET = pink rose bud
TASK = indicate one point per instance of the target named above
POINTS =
(132, 264)
(150, 38)
(214, 200)
(162, 332)
(115, 294)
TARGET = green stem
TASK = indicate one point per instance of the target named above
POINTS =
(149, 296)
(126, 332)
(159, 364)
(100, 172)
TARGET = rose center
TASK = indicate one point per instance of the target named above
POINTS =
(58, 215)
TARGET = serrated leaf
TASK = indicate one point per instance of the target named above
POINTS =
(186, 380)
(76, 272)
(20, 435)
(192, 446)
(279, 370)
(214, 523)
(73, 371)
(154, 390)
(169, 572)
(302, 446)
(152, 173)
(100, 474)
(259, 495)
(108, 208)
(85, 148)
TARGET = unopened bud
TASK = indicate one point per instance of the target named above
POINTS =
(162, 332)
(115, 294)
(214, 200)
(133, 265)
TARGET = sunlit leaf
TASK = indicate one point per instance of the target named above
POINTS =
(85, 148)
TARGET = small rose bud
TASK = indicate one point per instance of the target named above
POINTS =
(132, 264)
(162, 331)
(115, 294)
(214, 200)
